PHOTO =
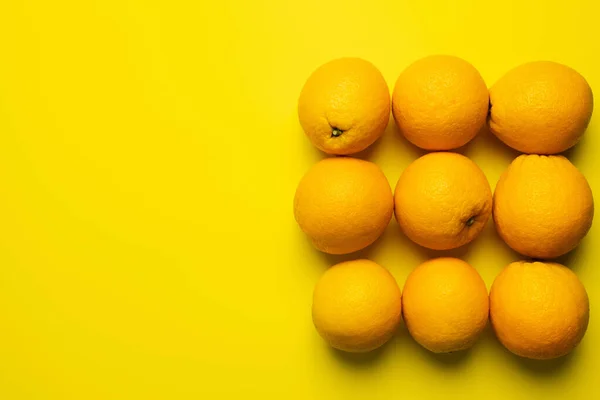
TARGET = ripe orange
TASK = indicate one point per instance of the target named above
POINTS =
(540, 107)
(344, 106)
(343, 204)
(543, 206)
(440, 102)
(445, 305)
(539, 310)
(442, 201)
(357, 306)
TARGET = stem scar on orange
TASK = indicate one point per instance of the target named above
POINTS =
(442, 201)
(344, 106)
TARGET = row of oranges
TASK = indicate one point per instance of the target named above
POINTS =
(357, 306)
(441, 103)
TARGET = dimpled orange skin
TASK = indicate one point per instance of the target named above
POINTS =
(344, 106)
(541, 107)
(357, 306)
(445, 305)
(343, 204)
(442, 201)
(440, 102)
(539, 310)
(543, 206)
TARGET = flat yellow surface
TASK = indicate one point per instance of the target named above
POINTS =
(149, 153)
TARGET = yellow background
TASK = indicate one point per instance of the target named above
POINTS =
(149, 153)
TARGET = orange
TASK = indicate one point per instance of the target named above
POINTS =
(543, 206)
(442, 201)
(344, 106)
(440, 102)
(357, 306)
(445, 305)
(539, 310)
(343, 204)
(540, 107)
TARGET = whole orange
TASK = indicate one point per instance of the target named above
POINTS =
(445, 305)
(440, 102)
(540, 107)
(357, 306)
(442, 201)
(543, 206)
(344, 106)
(539, 310)
(343, 204)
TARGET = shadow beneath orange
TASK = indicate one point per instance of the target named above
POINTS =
(391, 141)
(450, 360)
(542, 369)
(545, 368)
(392, 238)
(370, 152)
(365, 253)
(571, 259)
(359, 360)
(459, 252)
(487, 143)
(574, 152)
(492, 234)
(368, 359)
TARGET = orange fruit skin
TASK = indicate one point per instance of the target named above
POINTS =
(440, 102)
(442, 201)
(445, 305)
(357, 306)
(543, 206)
(343, 204)
(541, 107)
(539, 310)
(344, 106)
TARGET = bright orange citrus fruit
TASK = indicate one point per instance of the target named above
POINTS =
(344, 106)
(445, 305)
(442, 201)
(357, 306)
(543, 206)
(540, 107)
(343, 204)
(539, 310)
(440, 102)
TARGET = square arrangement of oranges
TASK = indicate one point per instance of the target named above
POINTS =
(542, 205)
